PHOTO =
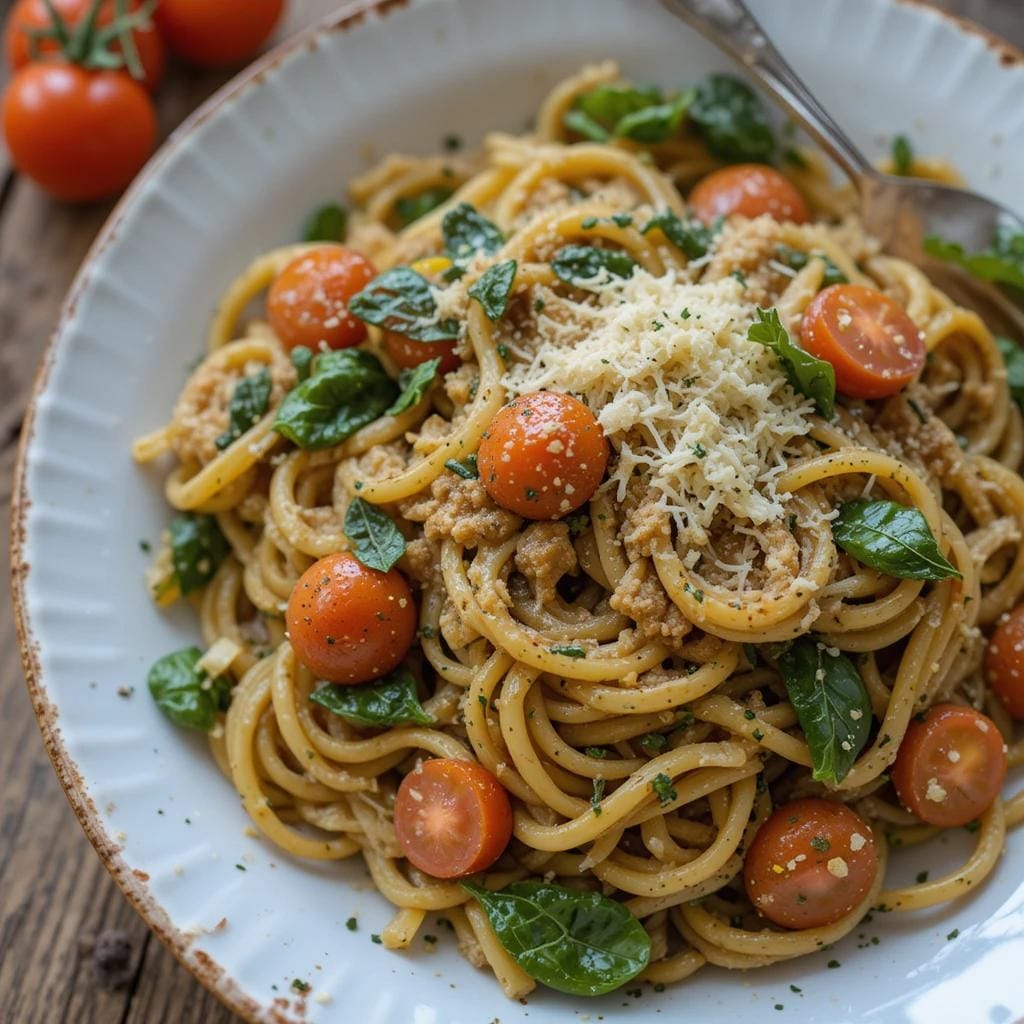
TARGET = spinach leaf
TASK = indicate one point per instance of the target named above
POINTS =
(691, 237)
(1002, 263)
(302, 360)
(493, 288)
(655, 123)
(584, 265)
(402, 300)
(902, 155)
(415, 383)
(596, 114)
(348, 390)
(186, 695)
(732, 121)
(327, 223)
(892, 538)
(831, 704)
(466, 468)
(410, 208)
(1013, 357)
(809, 375)
(197, 549)
(376, 541)
(467, 232)
(388, 701)
(582, 123)
(796, 259)
(248, 403)
(577, 942)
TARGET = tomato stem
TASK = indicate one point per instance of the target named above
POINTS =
(88, 45)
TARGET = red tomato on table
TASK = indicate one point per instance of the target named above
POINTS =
(216, 33)
(79, 134)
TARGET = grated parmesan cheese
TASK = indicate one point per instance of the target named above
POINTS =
(705, 415)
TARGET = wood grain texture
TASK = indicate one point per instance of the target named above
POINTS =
(54, 893)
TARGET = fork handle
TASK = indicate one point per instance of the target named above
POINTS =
(730, 25)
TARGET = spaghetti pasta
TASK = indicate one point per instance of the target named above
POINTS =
(621, 672)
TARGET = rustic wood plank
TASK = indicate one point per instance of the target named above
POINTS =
(54, 893)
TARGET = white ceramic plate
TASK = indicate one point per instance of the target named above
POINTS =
(239, 179)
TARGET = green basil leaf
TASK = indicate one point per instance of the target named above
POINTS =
(348, 390)
(831, 704)
(197, 549)
(692, 237)
(328, 223)
(655, 123)
(577, 942)
(1013, 357)
(411, 208)
(376, 541)
(494, 287)
(582, 123)
(248, 403)
(891, 538)
(467, 232)
(809, 375)
(607, 105)
(1002, 263)
(796, 259)
(402, 300)
(384, 702)
(466, 468)
(186, 695)
(302, 360)
(415, 383)
(902, 155)
(584, 265)
(732, 121)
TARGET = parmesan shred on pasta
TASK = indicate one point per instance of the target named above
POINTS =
(684, 397)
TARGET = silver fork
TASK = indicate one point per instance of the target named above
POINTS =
(900, 212)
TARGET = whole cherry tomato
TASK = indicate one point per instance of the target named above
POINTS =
(78, 134)
(215, 33)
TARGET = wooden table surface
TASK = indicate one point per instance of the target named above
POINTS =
(55, 895)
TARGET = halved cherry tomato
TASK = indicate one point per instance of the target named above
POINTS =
(543, 455)
(1004, 662)
(453, 818)
(350, 624)
(30, 16)
(79, 134)
(215, 33)
(308, 302)
(810, 863)
(875, 348)
(950, 766)
(749, 190)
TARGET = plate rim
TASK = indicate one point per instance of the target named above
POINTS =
(132, 882)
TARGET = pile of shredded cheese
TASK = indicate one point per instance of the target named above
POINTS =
(685, 399)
